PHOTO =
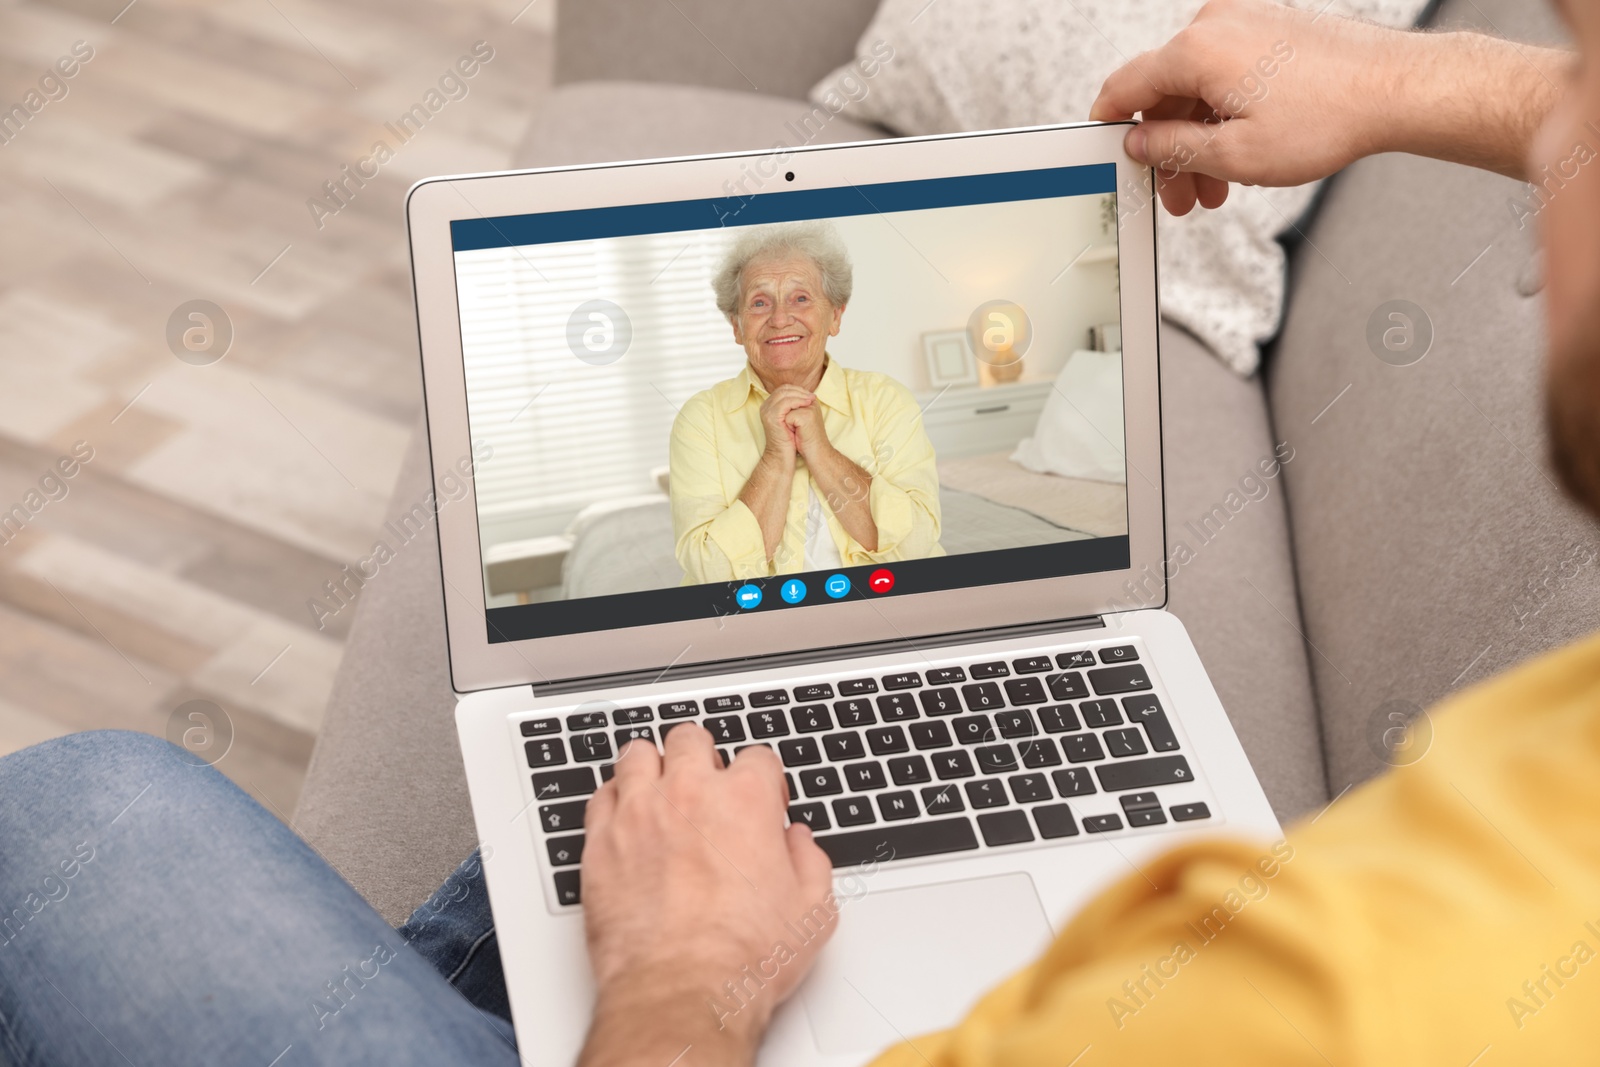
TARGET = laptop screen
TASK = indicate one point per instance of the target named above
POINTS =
(784, 400)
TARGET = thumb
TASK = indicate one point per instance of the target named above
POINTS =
(1172, 146)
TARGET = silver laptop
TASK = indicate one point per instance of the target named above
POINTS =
(984, 720)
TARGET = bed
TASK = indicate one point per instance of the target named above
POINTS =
(987, 503)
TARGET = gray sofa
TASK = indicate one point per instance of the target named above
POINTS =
(1413, 545)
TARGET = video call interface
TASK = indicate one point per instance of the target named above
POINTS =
(793, 398)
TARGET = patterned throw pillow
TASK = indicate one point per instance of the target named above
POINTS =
(992, 64)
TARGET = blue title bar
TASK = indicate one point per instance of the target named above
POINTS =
(631, 219)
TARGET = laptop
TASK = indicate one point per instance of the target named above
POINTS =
(988, 716)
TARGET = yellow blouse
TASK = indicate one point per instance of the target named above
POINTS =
(717, 439)
(1447, 912)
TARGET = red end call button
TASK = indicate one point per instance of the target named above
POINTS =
(880, 581)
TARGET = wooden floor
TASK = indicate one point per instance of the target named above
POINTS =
(177, 563)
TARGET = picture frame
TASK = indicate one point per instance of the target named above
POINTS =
(950, 360)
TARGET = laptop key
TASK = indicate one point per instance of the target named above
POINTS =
(1055, 820)
(1032, 665)
(813, 815)
(982, 696)
(586, 748)
(906, 840)
(939, 701)
(799, 752)
(987, 793)
(1082, 748)
(1100, 713)
(995, 759)
(726, 730)
(1029, 788)
(559, 818)
(769, 698)
(903, 680)
(629, 716)
(574, 782)
(973, 729)
(841, 747)
(1039, 752)
(1144, 773)
(1109, 681)
(1067, 686)
(895, 707)
(1022, 692)
(1127, 742)
(1099, 824)
(1190, 812)
(1014, 724)
(1146, 709)
(857, 686)
(679, 709)
(954, 764)
(990, 670)
(820, 691)
(565, 851)
(1058, 719)
(1073, 781)
(887, 741)
(794, 791)
(607, 771)
(821, 782)
(764, 724)
(946, 676)
(1068, 660)
(539, 727)
(1005, 828)
(546, 752)
(909, 770)
(864, 777)
(567, 889)
(811, 718)
(1119, 654)
(1139, 801)
(853, 811)
(926, 735)
(1146, 818)
(587, 720)
(720, 704)
(855, 713)
(633, 733)
(897, 806)
(943, 800)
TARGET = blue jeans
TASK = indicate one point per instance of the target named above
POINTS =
(151, 913)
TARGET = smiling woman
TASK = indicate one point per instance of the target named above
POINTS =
(797, 463)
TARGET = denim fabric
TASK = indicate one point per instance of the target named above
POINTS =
(152, 913)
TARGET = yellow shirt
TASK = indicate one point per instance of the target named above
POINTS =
(717, 439)
(1446, 911)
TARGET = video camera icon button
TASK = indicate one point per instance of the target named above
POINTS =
(748, 596)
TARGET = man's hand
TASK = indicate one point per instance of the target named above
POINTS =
(1251, 92)
(691, 886)
(1261, 94)
(777, 415)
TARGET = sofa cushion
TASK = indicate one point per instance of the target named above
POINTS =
(1432, 547)
(600, 121)
(1234, 589)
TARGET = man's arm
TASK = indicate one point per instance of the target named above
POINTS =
(1260, 94)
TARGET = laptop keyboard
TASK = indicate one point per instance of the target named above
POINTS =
(1046, 748)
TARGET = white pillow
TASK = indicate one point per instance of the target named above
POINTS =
(992, 64)
(1080, 429)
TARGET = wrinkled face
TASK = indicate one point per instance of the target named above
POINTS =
(784, 320)
(1569, 144)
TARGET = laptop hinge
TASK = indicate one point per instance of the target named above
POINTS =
(816, 655)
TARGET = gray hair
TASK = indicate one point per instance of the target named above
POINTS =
(817, 241)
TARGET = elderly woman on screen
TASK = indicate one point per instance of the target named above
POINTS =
(796, 463)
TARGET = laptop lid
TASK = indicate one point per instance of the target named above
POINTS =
(986, 383)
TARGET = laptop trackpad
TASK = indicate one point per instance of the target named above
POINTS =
(907, 961)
